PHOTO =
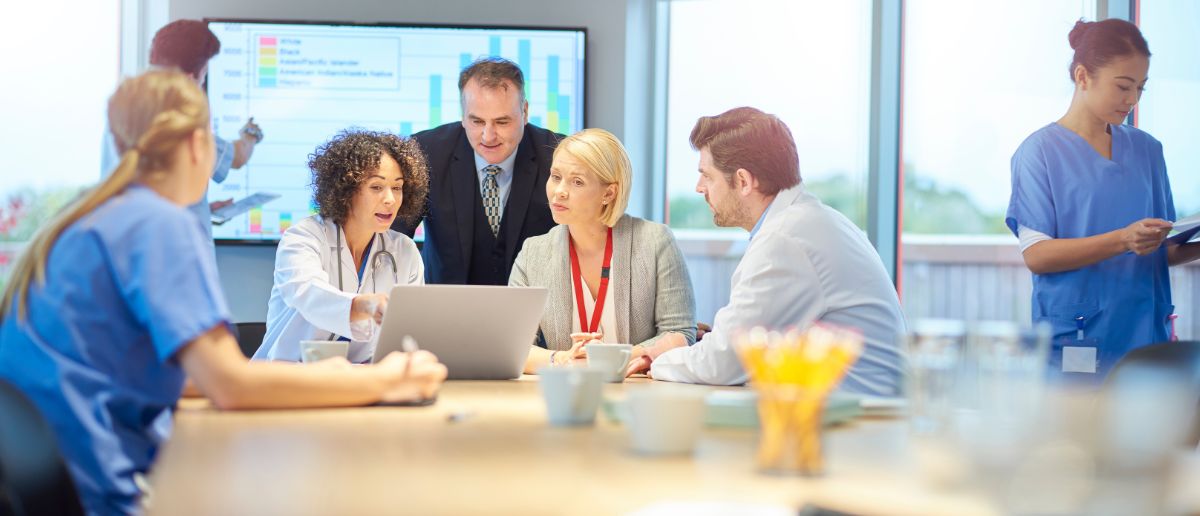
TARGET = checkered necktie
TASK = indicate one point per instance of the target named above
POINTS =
(491, 198)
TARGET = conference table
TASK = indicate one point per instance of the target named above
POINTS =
(486, 447)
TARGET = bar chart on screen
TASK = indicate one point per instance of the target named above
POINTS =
(304, 83)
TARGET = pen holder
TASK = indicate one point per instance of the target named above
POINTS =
(793, 374)
(790, 422)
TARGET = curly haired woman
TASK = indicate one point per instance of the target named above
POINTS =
(333, 271)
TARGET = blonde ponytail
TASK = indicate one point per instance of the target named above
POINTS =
(149, 115)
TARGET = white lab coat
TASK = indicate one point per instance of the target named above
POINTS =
(306, 303)
(806, 263)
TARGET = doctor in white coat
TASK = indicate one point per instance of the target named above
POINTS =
(334, 270)
(805, 261)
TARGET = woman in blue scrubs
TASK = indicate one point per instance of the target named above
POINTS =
(114, 302)
(1091, 205)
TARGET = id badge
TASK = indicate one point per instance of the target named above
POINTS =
(1080, 358)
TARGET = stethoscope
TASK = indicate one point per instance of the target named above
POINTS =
(381, 253)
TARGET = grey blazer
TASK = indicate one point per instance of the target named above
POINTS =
(644, 254)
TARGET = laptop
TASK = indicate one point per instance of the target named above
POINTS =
(478, 332)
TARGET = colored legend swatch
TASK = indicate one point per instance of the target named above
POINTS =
(435, 100)
(552, 119)
(268, 61)
(406, 129)
(464, 60)
(256, 221)
(285, 221)
(494, 46)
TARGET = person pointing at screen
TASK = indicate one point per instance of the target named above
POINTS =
(188, 45)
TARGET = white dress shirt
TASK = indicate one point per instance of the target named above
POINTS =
(806, 263)
(306, 303)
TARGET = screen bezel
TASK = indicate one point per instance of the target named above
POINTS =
(403, 25)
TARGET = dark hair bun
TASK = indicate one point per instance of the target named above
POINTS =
(1075, 37)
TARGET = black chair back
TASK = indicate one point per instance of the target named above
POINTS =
(1178, 360)
(250, 336)
(33, 477)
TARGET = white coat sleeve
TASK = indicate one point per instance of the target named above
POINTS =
(776, 287)
(416, 266)
(305, 285)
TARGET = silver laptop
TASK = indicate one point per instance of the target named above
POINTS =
(478, 332)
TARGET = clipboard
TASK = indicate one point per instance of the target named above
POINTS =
(1187, 230)
(225, 213)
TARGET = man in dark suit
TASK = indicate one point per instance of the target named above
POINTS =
(487, 180)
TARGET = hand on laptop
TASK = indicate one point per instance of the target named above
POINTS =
(413, 381)
(368, 306)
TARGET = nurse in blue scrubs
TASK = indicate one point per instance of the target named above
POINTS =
(1091, 205)
(114, 302)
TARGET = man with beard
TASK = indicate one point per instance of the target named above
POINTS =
(805, 263)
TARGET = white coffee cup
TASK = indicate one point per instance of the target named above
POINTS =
(572, 394)
(611, 358)
(665, 419)
(314, 350)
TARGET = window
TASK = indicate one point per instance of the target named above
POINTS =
(1172, 99)
(979, 77)
(806, 61)
(53, 103)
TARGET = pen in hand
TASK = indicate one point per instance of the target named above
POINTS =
(409, 345)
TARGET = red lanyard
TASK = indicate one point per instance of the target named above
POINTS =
(578, 278)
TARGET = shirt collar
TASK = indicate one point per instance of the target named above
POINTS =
(505, 166)
(782, 199)
(758, 225)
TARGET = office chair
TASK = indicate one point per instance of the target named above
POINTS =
(33, 477)
(1176, 361)
(249, 336)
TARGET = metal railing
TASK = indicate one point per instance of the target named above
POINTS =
(956, 277)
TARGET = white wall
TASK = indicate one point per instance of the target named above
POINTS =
(246, 270)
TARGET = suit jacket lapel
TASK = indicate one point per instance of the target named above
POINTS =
(620, 275)
(464, 182)
(524, 187)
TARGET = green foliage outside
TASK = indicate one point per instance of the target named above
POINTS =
(928, 207)
(689, 211)
(22, 214)
(842, 194)
(27, 210)
(933, 209)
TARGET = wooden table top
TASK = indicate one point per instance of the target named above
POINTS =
(485, 447)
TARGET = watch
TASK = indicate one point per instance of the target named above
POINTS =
(252, 131)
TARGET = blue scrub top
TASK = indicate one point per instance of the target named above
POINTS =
(126, 287)
(1062, 187)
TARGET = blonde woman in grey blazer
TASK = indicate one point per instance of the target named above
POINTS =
(648, 301)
